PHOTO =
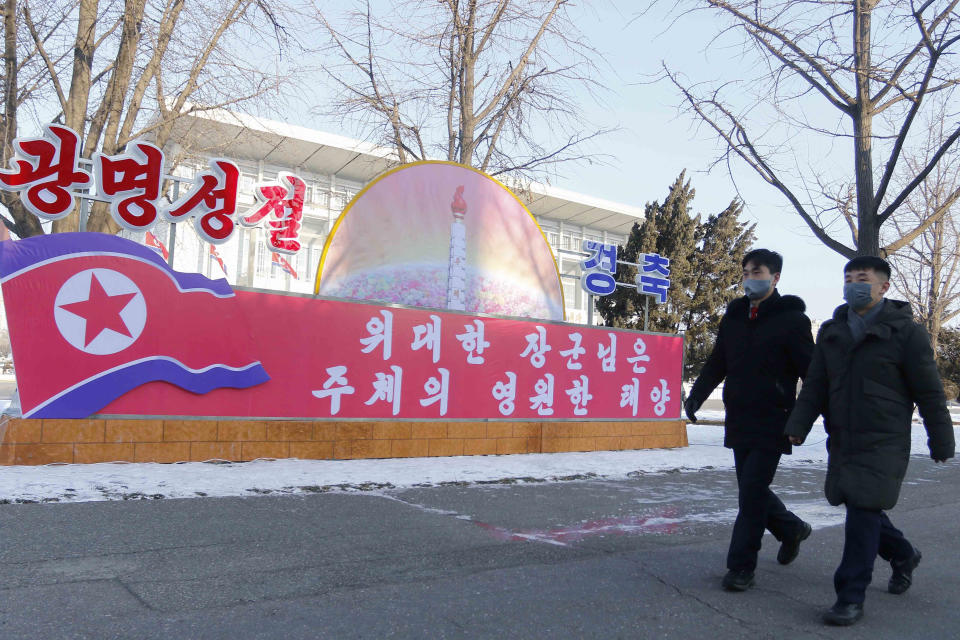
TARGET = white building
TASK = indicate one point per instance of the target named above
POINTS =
(335, 168)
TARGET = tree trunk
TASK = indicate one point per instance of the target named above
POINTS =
(10, 85)
(933, 326)
(934, 303)
(26, 224)
(468, 124)
(165, 31)
(100, 220)
(75, 112)
(868, 231)
(106, 121)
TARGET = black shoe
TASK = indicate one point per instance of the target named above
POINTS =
(790, 547)
(902, 576)
(738, 580)
(843, 615)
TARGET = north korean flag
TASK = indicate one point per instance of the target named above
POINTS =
(216, 256)
(153, 242)
(92, 316)
(279, 261)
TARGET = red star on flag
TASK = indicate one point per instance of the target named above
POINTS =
(101, 311)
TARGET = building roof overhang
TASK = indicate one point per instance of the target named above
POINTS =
(245, 137)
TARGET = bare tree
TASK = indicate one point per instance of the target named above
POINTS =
(122, 70)
(855, 72)
(480, 82)
(927, 271)
(14, 68)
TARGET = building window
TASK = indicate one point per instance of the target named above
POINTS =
(301, 266)
(263, 262)
(570, 293)
(321, 194)
(593, 237)
(316, 252)
(313, 212)
(247, 183)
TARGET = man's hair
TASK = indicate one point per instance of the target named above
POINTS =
(764, 258)
(869, 263)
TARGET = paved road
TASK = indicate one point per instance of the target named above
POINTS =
(640, 558)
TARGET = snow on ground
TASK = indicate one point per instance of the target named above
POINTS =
(122, 481)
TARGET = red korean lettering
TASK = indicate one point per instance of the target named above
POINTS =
(283, 202)
(212, 202)
(48, 169)
(132, 181)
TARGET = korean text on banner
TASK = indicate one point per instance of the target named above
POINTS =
(347, 360)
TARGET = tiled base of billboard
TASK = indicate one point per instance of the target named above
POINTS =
(33, 442)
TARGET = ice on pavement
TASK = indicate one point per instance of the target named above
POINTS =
(115, 481)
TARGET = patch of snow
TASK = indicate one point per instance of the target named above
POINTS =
(118, 481)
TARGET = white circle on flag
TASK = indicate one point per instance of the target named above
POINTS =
(73, 327)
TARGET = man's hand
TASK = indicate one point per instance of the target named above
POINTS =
(940, 456)
(797, 440)
(690, 408)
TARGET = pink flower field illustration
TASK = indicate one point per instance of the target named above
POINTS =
(400, 242)
(425, 286)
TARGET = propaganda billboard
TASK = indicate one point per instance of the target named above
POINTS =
(102, 325)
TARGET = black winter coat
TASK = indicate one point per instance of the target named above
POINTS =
(761, 361)
(866, 394)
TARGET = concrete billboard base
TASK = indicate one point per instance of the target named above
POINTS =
(49, 441)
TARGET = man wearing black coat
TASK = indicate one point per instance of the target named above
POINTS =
(872, 363)
(763, 346)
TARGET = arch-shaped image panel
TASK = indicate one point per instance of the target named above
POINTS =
(442, 235)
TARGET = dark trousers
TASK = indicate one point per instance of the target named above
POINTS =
(760, 508)
(868, 533)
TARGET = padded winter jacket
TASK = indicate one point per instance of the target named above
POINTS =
(760, 360)
(866, 393)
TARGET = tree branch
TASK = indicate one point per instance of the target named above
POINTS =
(518, 68)
(920, 177)
(38, 43)
(902, 134)
(924, 224)
(743, 148)
(842, 99)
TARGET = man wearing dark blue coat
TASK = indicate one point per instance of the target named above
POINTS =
(763, 347)
(872, 363)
